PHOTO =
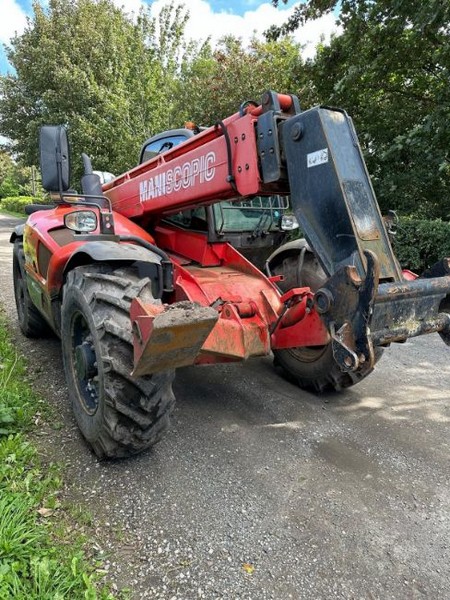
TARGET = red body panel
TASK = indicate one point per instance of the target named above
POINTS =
(252, 313)
(194, 173)
(40, 231)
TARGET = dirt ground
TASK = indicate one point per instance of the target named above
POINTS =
(260, 490)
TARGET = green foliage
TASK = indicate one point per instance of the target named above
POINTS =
(420, 243)
(16, 179)
(390, 70)
(215, 83)
(89, 66)
(16, 204)
(34, 565)
(311, 9)
(9, 187)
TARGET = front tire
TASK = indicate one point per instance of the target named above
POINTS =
(312, 367)
(118, 415)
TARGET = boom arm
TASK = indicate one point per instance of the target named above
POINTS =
(219, 163)
(315, 157)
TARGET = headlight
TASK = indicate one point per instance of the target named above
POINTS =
(289, 222)
(83, 221)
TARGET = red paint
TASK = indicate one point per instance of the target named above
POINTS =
(37, 231)
(409, 275)
(195, 172)
(252, 312)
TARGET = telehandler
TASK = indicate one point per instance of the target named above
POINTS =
(143, 274)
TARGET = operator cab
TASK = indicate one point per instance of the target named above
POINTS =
(254, 225)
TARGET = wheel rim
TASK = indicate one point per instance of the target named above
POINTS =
(84, 364)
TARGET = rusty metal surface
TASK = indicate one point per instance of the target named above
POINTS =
(168, 337)
(411, 308)
(236, 337)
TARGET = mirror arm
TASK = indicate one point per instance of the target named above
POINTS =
(59, 168)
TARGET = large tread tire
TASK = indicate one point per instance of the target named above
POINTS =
(31, 322)
(123, 415)
(312, 368)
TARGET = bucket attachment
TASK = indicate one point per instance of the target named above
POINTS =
(167, 337)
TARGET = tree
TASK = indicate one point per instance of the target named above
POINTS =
(217, 81)
(86, 64)
(8, 185)
(15, 178)
(390, 69)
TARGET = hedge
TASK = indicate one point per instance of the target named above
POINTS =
(17, 203)
(420, 243)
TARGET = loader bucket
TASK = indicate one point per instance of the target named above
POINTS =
(168, 337)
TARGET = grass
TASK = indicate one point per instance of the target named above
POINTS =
(12, 213)
(38, 560)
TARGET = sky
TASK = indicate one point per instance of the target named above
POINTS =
(214, 18)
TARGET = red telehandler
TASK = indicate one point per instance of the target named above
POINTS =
(134, 291)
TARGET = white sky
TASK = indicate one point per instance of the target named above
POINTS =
(204, 21)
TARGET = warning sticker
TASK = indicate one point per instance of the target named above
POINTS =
(317, 158)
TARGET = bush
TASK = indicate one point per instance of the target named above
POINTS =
(420, 243)
(17, 203)
(9, 187)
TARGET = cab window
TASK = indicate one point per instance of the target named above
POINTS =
(161, 145)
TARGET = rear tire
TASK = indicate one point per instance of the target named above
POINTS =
(313, 367)
(117, 414)
(31, 322)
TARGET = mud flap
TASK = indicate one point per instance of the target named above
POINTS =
(167, 337)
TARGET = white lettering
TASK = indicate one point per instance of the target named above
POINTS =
(177, 178)
(186, 175)
(169, 182)
(197, 171)
(209, 170)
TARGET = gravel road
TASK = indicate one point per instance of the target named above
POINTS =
(262, 491)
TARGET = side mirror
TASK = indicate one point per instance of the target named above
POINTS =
(54, 158)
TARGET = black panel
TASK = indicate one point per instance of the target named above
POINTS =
(331, 193)
(54, 158)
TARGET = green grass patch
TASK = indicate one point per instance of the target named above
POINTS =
(38, 561)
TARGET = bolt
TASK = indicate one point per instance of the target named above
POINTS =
(243, 137)
(348, 361)
(247, 166)
(297, 132)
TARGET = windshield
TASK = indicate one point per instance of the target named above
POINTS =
(260, 213)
